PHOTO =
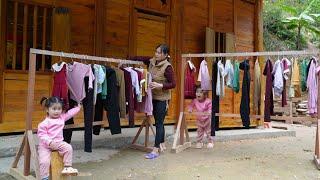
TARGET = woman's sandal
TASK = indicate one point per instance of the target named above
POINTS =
(151, 155)
(69, 171)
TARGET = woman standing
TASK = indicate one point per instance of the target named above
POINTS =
(162, 81)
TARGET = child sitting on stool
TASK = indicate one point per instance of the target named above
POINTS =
(202, 104)
(50, 133)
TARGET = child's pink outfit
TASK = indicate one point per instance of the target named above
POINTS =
(51, 130)
(203, 121)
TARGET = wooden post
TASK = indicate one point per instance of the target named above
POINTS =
(56, 167)
(30, 98)
(145, 124)
(258, 37)
(25, 38)
(44, 33)
(181, 127)
(15, 27)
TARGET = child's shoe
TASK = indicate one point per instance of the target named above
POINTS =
(69, 171)
(210, 145)
(199, 145)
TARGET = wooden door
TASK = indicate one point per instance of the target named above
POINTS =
(150, 31)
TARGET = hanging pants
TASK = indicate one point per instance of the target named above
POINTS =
(215, 101)
(64, 150)
(159, 113)
(87, 103)
(204, 128)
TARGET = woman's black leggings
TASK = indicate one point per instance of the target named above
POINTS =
(159, 113)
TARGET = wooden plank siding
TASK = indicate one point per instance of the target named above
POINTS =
(121, 33)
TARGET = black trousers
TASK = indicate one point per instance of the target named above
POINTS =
(98, 114)
(159, 113)
(87, 103)
(215, 101)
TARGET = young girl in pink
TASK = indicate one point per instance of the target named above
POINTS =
(202, 104)
(50, 133)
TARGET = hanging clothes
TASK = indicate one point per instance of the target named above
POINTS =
(229, 73)
(204, 76)
(112, 102)
(146, 105)
(215, 101)
(104, 85)
(135, 83)
(60, 87)
(189, 82)
(235, 82)
(75, 75)
(285, 64)
(278, 78)
(122, 92)
(220, 80)
(245, 97)
(100, 76)
(295, 89)
(268, 97)
(129, 96)
(303, 74)
(312, 85)
(257, 86)
(80, 82)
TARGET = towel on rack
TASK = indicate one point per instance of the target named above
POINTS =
(229, 73)
(220, 80)
(235, 81)
(312, 85)
(295, 89)
(257, 86)
(278, 78)
(204, 76)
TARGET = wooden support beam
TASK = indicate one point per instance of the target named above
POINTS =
(35, 26)
(99, 27)
(15, 27)
(44, 35)
(25, 37)
(34, 154)
(19, 152)
(56, 167)
(3, 51)
(30, 99)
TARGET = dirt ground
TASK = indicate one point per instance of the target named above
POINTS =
(280, 158)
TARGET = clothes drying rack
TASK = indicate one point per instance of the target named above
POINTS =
(182, 130)
(28, 146)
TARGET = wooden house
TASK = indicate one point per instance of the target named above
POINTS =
(117, 28)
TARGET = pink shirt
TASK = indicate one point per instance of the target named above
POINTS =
(204, 106)
(75, 80)
(52, 129)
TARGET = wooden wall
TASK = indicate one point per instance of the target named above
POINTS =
(185, 28)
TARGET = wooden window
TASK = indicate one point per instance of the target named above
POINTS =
(220, 43)
(28, 26)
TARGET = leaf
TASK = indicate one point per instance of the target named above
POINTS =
(313, 29)
(289, 9)
(292, 26)
(307, 18)
(315, 15)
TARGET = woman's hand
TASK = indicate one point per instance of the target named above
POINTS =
(155, 85)
(79, 105)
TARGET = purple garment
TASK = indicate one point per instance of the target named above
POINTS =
(312, 85)
(204, 76)
(75, 80)
(129, 96)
